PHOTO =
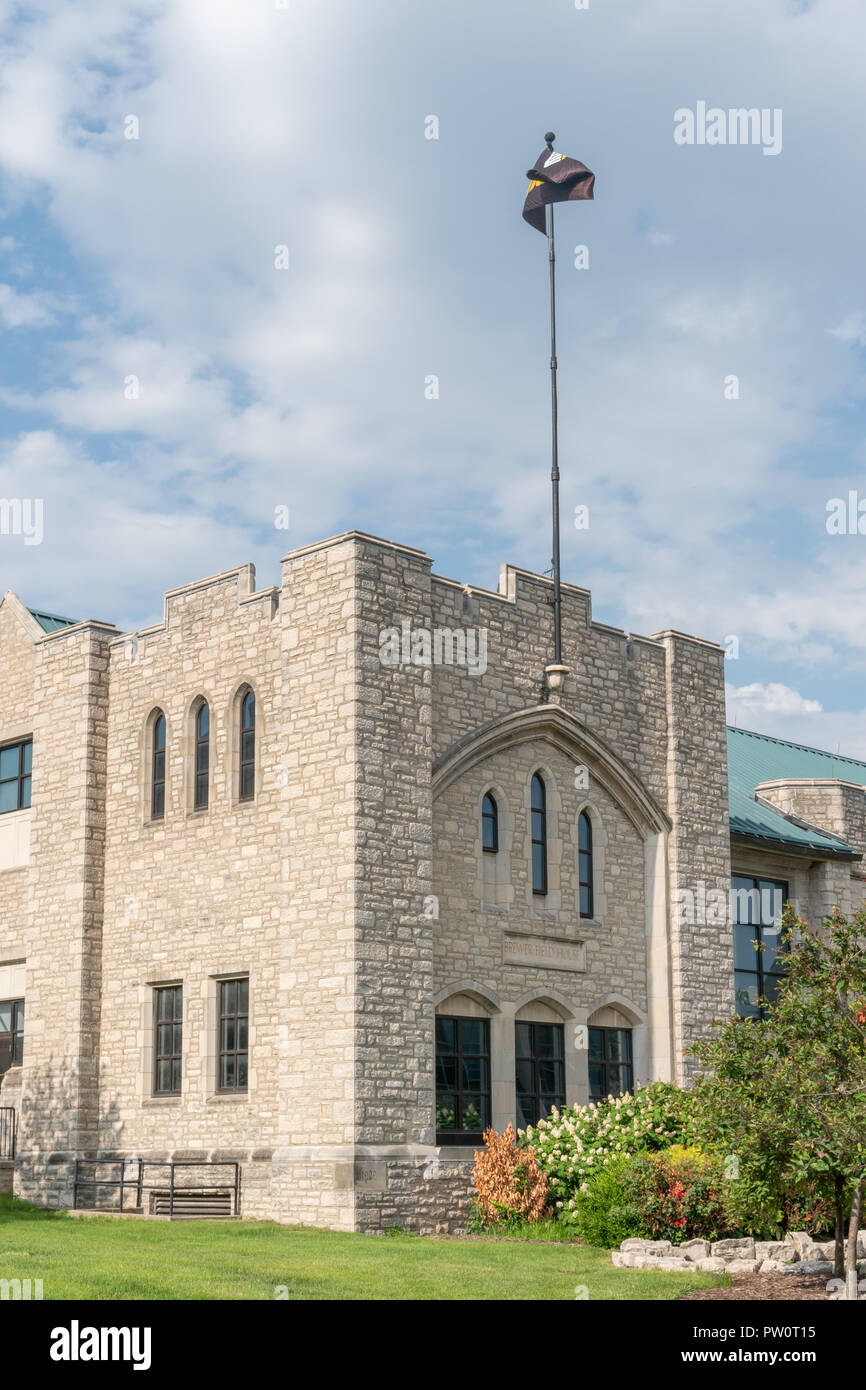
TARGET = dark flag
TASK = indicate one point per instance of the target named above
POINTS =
(555, 179)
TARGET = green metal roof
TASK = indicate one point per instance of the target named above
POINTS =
(49, 622)
(755, 758)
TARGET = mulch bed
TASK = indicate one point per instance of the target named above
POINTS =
(767, 1288)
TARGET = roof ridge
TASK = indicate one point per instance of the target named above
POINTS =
(804, 747)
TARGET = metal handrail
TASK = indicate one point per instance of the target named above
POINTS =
(141, 1186)
(8, 1130)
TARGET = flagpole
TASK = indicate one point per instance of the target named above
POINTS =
(554, 470)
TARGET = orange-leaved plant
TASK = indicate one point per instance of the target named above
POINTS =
(509, 1182)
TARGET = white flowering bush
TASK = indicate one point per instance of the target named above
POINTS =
(575, 1143)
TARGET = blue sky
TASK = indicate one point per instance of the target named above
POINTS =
(304, 126)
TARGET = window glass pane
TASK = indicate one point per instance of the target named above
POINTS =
(8, 796)
(159, 734)
(229, 996)
(745, 955)
(242, 1070)
(9, 763)
(746, 901)
(583, 833)
(243, 996)
(446, 1111)
(25, 793)
(446, 1073)
(596, 1081)
(474, 1073)
(227, 1071)
(615, 1044)
(585, 901)
(163, 1003)
(473, 1113)
(27, 758)
(446, 1034)
(746, 993)
(525, 1111)
(249, 710)
(537, 794)
(203, 722)
(474, 1034)
(770, 958)
(5, 1018)
(550, 1078)
(525, 1076)
(772, 901)
(243, 1033)
(523, 1039)
(596, 1044)
(538, 868)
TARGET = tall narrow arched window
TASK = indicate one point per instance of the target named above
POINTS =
(584, 863)
(489, 824)
(247, 782)
(157, 769)
(539, 836)
(202, 756)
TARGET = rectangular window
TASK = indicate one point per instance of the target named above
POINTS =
(168, 1039)
(15, 766)
(462, 1079)
(757, 909)
(11, 1033)
(540, 1070)
(234, 1024)
(611, 1068)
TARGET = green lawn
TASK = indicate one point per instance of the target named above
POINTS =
(129, 1258)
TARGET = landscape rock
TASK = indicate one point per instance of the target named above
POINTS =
(742, 1266)
(778, 1267)
(742, 1248)
(713, 1264)
(670, 1262)
(694, 1249)
(775, 1250)
(810, 1267)
(804, 1245)
(634, 1243)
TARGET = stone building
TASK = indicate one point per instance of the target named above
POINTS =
(320, 879)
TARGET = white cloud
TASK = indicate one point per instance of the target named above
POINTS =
(24, 310)
(773, 698)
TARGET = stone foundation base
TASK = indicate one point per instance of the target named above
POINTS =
(369, 1189)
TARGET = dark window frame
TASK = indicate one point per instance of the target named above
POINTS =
(585, 865)
(247, 749)
(537, 1061)
(238, 1016)
(538, 835)
(157, 767)
(15, 1033)
(459, 1135)
(173, 1027)
(607, 1062)
(761, 975)
(489, 824)
(22, 777)
(201, 759)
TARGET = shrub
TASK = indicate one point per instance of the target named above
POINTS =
(575, 1142)
(509, 1182)
(678, 1194)
(602, 1215)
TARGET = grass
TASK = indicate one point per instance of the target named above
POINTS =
(104, 1257)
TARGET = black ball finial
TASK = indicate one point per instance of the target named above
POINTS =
(550, 137)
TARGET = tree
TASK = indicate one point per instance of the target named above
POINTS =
(787, 1093)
